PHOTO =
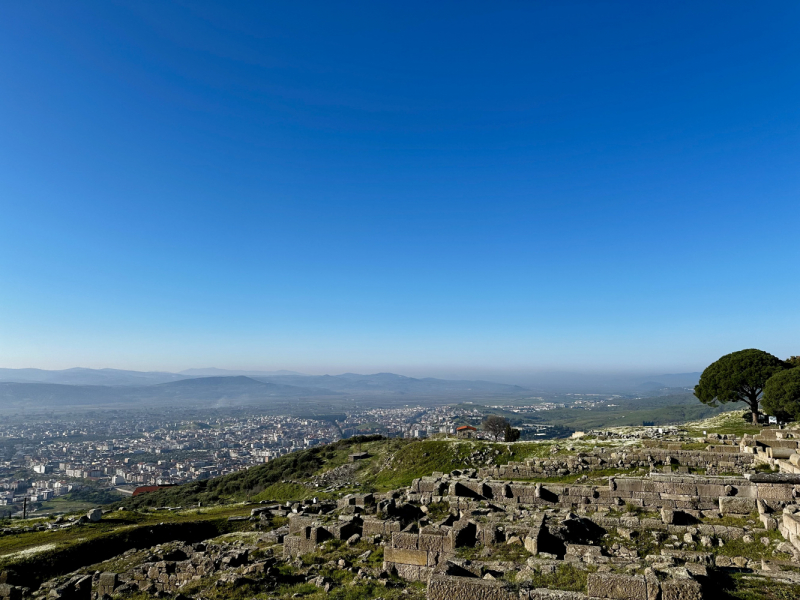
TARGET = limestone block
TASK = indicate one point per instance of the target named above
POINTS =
(406, 557)
(106, 583)
(583, 550)
(408, 572)
(630, 485)
(616, 587)
(653, 585)
(770, 523)
(408, 541)
(745, 491)
(710, 490)
(297, 546)
(391, 527)
(432, 542)
(443, 587)
(372, 527)
(94, 515)
(546, 594)
(681, 589)
(651, 524)
(775, 491)
(736, 505)
(298, 523)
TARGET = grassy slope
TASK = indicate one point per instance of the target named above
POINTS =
(391, 464)
(252, 482)
(35, 556)
(663, 410)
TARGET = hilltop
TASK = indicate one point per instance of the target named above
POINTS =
(682, 512)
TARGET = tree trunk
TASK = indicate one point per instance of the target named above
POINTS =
(754, 408)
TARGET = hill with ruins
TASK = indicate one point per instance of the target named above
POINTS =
(706, 509)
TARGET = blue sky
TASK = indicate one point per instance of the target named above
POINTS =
(456, 189)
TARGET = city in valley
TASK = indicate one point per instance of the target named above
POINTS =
(113, 453)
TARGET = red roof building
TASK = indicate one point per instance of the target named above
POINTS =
(143, 489)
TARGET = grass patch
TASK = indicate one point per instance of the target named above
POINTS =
(71, 548)
(438, 511)
(726, 423)
(754, 550)
(566, 577)
(281, 492)
(598, 477)
(694, 446)
(743, 587)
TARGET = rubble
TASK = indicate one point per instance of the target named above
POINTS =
(493, 534)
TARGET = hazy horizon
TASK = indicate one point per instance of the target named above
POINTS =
(522, 378)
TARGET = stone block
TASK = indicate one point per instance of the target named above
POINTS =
(546, 594)
(736, 505)
(297, 546)
(681, 589)
(391, 527)
(408, 572)
(106, 583)
(583, 550)
(94, 515)
(433, 542)
(372, 527)
(408, 541)
(630, 485)
(775, 491)
(298, 524)
(710, 490)
(444, 587)
(406, 557)
(616, 587)
(770, 523)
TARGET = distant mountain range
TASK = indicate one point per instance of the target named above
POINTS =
(214, 372)
(202, 391)
(389, 383)
(219, 387)
(74, 387)
(80, 376)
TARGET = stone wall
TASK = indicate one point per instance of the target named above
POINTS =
(790, 526)
(444, 587)
(716, 460)
(730, 495)
(372, 526)
(414, 555)
(605, 586)
(78, 587)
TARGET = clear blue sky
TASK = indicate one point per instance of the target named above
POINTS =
(427, 188)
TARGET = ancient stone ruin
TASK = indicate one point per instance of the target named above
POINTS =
(658, 527)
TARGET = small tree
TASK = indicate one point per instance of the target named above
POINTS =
(782, 394)
(738, 377)
(494, 425)
(793, 361)
(511, 434)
